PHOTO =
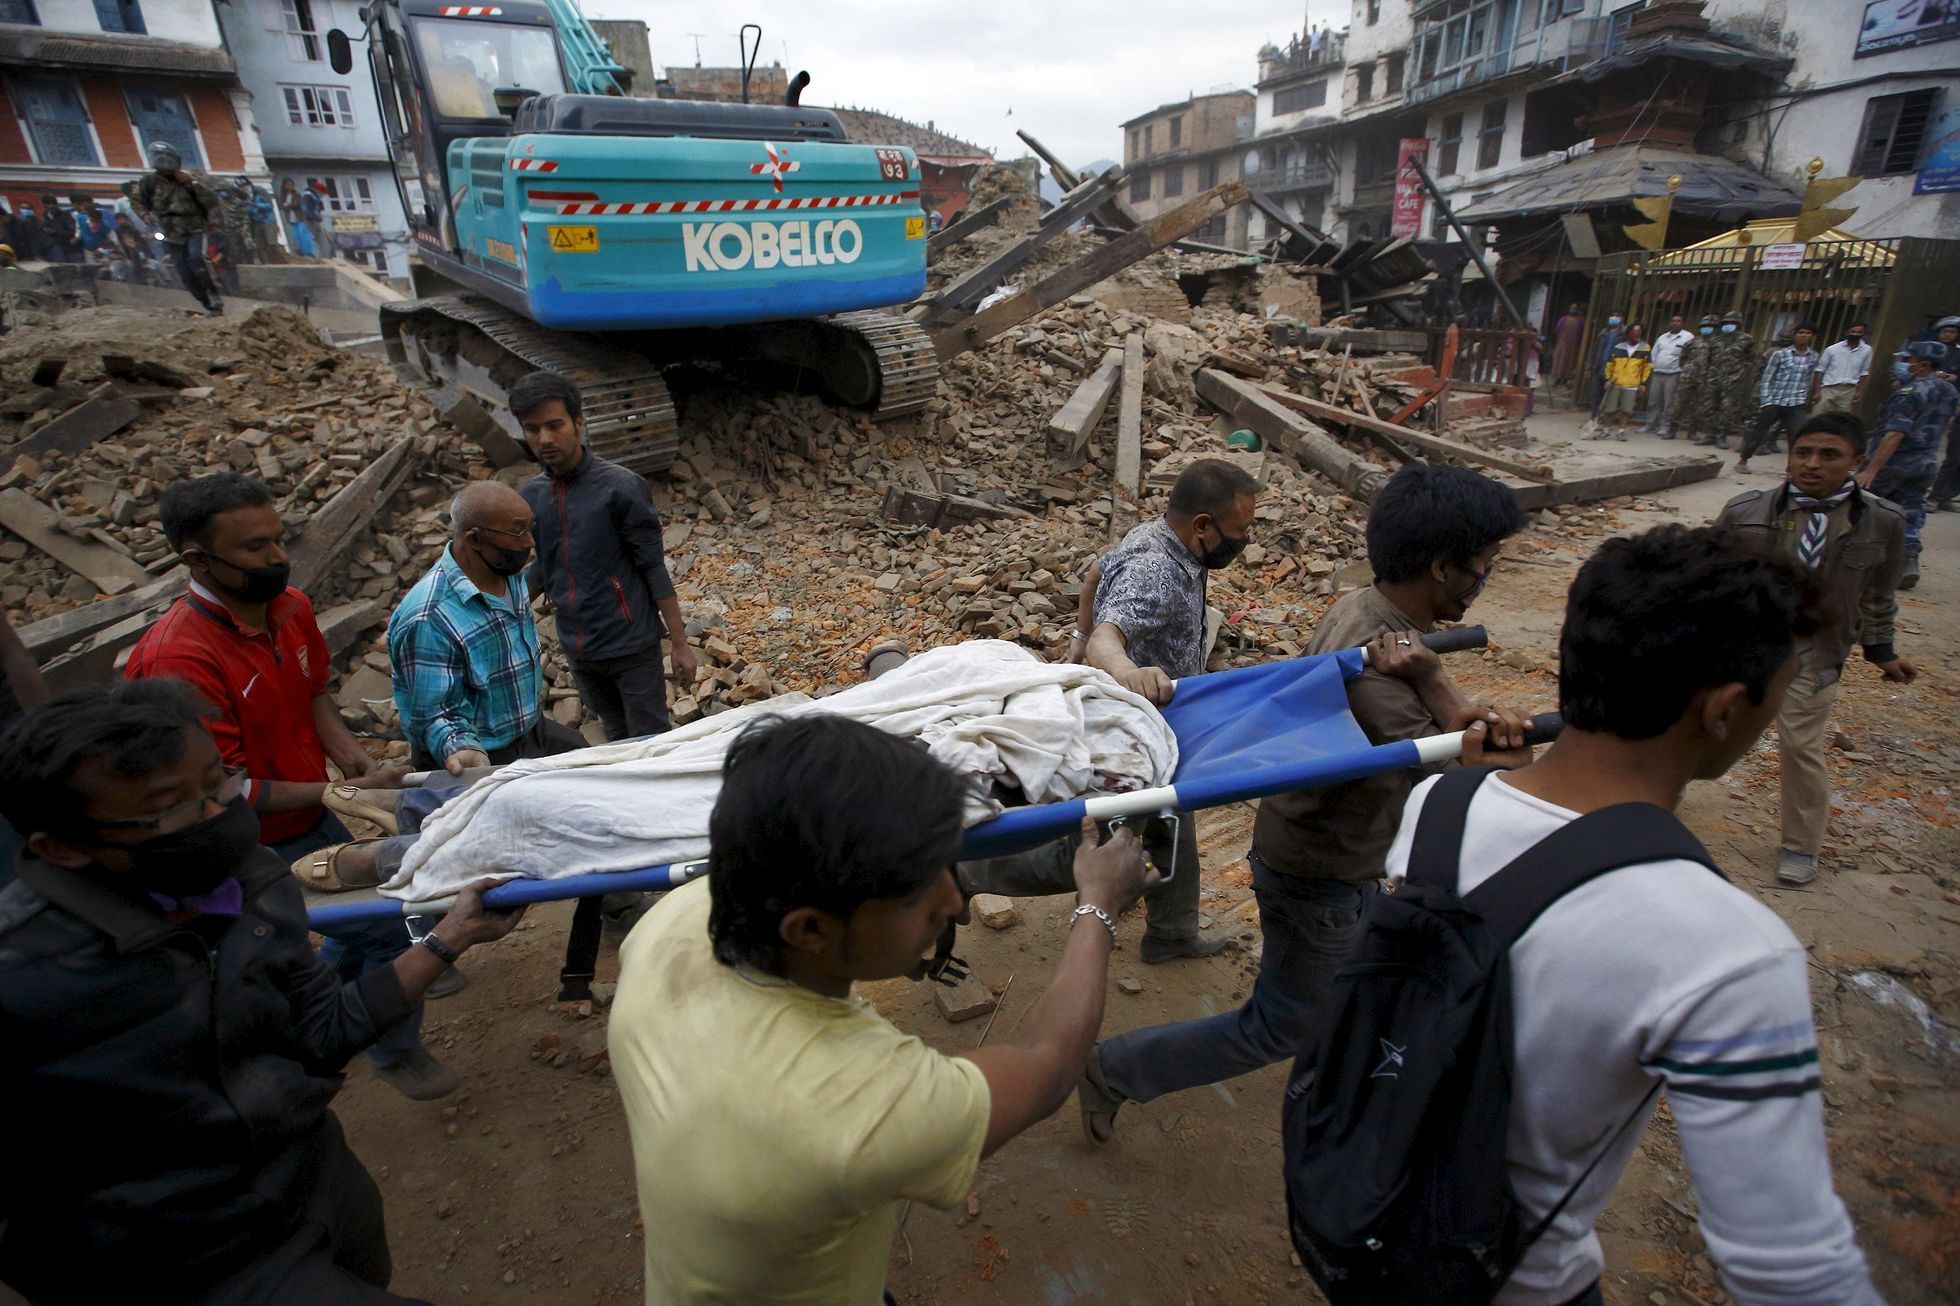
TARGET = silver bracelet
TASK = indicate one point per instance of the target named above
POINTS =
(1076, 634)
(1088, 909)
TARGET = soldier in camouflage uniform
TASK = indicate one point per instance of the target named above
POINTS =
(182, 209)
(235, 218)
(1904, 455)
(1694, 407)
(1733, 372)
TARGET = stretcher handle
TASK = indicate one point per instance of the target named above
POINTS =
(1544, 728)
(1458, 639)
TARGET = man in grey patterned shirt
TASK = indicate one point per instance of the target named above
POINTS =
(1148, 599)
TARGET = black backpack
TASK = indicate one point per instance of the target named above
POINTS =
(1395, 1116)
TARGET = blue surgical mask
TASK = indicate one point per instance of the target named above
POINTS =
(1613, 321)
(1728, 328)
(1708, 331)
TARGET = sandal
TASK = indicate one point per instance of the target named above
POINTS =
(320, 870)
(352, 800)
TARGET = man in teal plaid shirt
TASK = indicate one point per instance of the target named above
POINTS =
(468, 676)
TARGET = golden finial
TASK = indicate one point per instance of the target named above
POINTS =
(1674, 182)
(1814, 167)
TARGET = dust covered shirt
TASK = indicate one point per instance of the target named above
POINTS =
(1153, 590)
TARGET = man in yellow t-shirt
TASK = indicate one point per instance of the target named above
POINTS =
(778, 1121)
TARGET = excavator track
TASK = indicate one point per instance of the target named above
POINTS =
(902, 353)
(629, 415)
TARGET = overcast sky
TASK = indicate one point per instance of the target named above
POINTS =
(1068, 70)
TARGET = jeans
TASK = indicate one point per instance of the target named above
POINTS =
(1788, 416)
(629, 692)
(188, 258)
(351, 951)
(1170, 910)
(1308, 926)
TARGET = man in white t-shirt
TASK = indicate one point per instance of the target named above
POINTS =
(778, 1121)
(1664, 386)
(1838, 384)
(1678, 648)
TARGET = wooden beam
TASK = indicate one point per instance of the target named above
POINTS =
(97, 417)
(1414, 439)
(1087, 271)
(52, 635)
(985, 216)
(1070, 426)
(1257, 409)
(950, 303)
(1129, 439)
(1644, 477)
(329, 531)
(105, 568)
(1114, 213)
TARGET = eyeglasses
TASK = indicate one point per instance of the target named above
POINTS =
(524, 534)
(226, 792)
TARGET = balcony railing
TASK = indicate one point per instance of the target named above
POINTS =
(1300, 56)
(1482, 69)
(1291, 176)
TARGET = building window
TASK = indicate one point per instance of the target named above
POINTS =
(1136, 143)
(1894, 131)
(1439, 226)
(1177, 132)
(1374, 12)
(318, 106)
(1149, 130)
(19, 11)
(1490, 137)
(1208, 174)
(295, 19)
(1397, 66)
(121, 16)
(1364, 83)
(1140, 186)
(1173, 181)
(1450, 143)
(57, 124)
(1296, 98)
(163, 115)
(344, 194)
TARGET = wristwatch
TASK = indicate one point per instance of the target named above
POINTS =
(448, 954)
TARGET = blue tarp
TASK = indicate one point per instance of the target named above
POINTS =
(1241, 734)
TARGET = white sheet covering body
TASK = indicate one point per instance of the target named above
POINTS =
(987, 708)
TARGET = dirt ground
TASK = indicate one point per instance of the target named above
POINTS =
(522, 1184)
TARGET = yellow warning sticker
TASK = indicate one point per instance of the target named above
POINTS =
(575, 240)
(500, 250)
(915, 228)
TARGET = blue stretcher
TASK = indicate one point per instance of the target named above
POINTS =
(1241, 734)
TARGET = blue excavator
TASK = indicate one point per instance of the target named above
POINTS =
(563, 224)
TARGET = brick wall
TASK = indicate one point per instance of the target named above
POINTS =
(104, 98)
(219, 127)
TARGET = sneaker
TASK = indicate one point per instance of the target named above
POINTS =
(1911, 577)
(1795, 869)
(419, 1077)
(1157, 951)
(1098, 1101)
(449, 982)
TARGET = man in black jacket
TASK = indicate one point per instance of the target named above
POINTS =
(600, 561)
(169, 1042)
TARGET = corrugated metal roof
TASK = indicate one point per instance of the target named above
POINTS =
(113, 53)
(1711, 186)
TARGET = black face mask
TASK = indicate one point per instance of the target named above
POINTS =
(193, 861)
(504, 562)
(1226, 551)
(260, 584)
(1854, 341)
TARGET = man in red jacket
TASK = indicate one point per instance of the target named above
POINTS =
(249, 645)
